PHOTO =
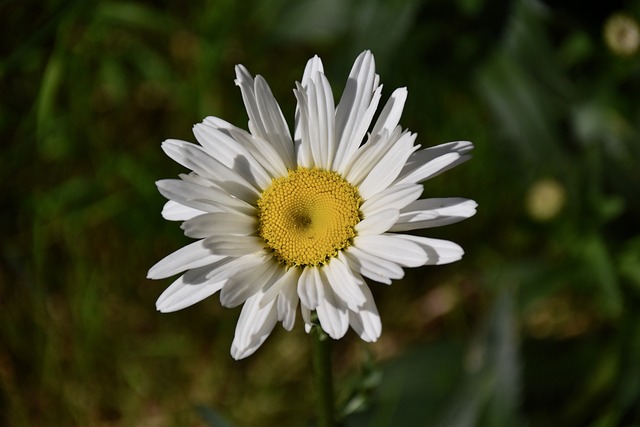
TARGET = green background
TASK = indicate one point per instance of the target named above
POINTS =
(538, 325)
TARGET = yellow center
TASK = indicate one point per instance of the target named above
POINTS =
(307, 217)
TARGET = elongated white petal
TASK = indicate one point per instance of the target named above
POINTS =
(392, 248)
(265, 118)
(428, 213)
(234, 246)
(432, 161)
(333, 313)
(321, 121)
(378, 223)
(344, 283)
(390, 115)
(191, 156)
(289, 279)
(394, 197)
(190, 288)
(243, 152)
(174, 211)
(253, 328)
(198, 160)
(304, 151)
(388, 168)
(366, 321)
(306, 317)
(356, 108)
(370, 153)
(231, 266)
(438, 251)
(311, 70)
(347, 149)
(287, 304)
(275, 125)
(220, 223)
(235, 148)
(207, 199)
(191, 256)
(374, 267)
(309, 117)
(218, 123)
(245, 283)
(304, 156)
(310, 287)
(266, 154)
(214, 136)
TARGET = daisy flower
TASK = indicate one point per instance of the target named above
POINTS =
(283, 220)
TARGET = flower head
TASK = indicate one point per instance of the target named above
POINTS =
(282, 221)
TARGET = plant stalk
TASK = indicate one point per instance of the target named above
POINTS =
(323, 377)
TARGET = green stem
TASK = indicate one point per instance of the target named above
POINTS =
(323, 377)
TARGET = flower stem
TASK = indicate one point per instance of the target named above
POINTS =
(323, 377)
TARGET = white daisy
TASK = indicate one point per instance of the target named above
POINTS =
(282, 220)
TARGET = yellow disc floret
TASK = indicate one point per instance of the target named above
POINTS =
(307, 217)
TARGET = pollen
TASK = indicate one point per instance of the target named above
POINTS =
(309, 216)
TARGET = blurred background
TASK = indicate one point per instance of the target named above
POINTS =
(538, 325)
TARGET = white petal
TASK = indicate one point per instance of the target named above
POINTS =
(366, 322)
(265, 118)
(214, 136)
(370, 153)
(313, 67)
(231, 266)
(321, 121)
(304, 155)
(220, 223)
(234, 246)
(347, 148)
(254, 326)
(392, 248)
(190, 288)
(245, 283)
(287, 305)
(198, 160)
(306, 317)
(191, 256)
(438, 251)
(268, 156)
(310, 287)
(388, 168)
(344, 283)
(356, 108)
(378, 223)
(428, 213)
(196, 179)
(242, 150)
(189, 155)
(289, 279)
(432, 161)
(308, 125)
(390, 115)
(174, 211)
(234, 148)
(375, 268)
(396, 197)
(275, 125)
(332, 313)
(207, 199)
